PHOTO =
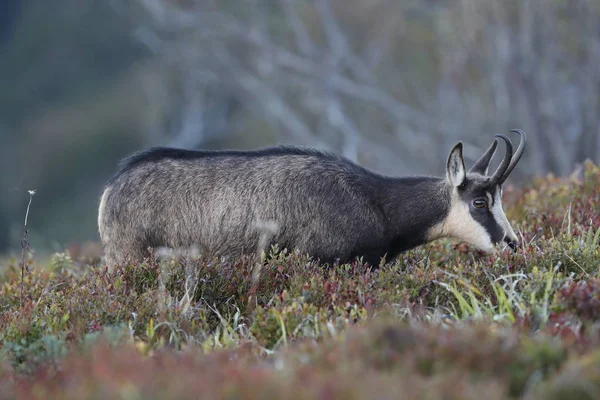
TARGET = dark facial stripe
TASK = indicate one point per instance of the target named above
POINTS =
(486, 219)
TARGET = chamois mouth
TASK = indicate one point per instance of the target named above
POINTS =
(512, 244)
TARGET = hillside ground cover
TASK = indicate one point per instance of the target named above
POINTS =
(442, 321)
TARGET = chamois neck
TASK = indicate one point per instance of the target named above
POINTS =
(411, 207)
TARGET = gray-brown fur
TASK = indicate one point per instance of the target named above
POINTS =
(322, 203)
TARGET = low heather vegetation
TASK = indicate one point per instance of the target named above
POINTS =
(440, 322)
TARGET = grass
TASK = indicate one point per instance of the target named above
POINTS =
(442, 321)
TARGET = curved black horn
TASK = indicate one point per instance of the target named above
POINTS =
(518, 154)
(496, 179)
(482, 165)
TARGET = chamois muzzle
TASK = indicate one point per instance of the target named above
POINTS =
(509, 162)
(513, 245)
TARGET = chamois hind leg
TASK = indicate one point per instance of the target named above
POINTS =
(128, 251)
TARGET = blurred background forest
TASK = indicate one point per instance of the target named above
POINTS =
(390, 84)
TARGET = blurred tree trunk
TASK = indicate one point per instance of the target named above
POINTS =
(9, 14)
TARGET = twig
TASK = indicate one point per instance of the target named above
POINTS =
(25, 244)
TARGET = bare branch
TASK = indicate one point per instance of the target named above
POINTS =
(305, 44)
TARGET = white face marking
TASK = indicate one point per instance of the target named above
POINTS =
(490, 198)
(460, 224)
(500, 217)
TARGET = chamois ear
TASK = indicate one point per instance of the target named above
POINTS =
(455, 168)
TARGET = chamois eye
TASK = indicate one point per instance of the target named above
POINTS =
(479, 203)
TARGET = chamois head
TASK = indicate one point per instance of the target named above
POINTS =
(475, 214)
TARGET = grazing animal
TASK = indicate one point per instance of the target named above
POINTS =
(322, 204)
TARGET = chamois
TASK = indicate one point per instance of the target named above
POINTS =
(321, 204)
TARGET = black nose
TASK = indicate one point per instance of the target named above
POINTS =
(514, 245)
